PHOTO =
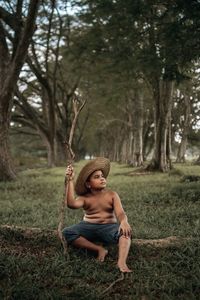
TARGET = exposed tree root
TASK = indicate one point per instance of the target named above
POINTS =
(37, 233)
(161, 243)
(27, 232)
(139, 173)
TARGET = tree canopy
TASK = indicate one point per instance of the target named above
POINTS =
(136, 63)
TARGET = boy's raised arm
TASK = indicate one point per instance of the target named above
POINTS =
(70, 200)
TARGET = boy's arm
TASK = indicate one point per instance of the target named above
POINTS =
(70, 200)
(121, 216)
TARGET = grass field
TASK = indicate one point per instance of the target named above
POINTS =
(157, 205)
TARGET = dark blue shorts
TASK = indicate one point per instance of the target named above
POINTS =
(104, 233)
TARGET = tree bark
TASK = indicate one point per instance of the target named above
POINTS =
(6, 164)
(10, 67)
(163, 102)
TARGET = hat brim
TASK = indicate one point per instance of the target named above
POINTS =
(99, 163)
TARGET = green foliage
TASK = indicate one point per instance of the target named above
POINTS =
(157, 205)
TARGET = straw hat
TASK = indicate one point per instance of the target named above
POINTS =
(99, 163)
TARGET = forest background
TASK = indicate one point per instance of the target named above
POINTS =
(134, 66)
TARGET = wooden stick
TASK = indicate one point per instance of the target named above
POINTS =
(112, 284)
(77, 107)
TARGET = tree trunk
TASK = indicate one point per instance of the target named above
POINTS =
(138, 130)
(60, 150)
(6, 164)
(123, 154)
(40, 125)
(129, 146)
(163, 101)
(185, 131)
(182, 150)
(197, 162)
(169, 142)
(148, 140)
(120, 145)
(50, 155)
(10, 67)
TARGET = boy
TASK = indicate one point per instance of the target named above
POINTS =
(102, 209)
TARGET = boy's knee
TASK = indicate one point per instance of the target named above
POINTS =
(70, 235)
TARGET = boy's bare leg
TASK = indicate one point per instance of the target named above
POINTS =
(124, 246)
(81, 242)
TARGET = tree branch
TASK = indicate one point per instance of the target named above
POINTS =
(20, 54)
(10, 19)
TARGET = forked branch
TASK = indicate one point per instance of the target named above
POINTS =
(77, 107)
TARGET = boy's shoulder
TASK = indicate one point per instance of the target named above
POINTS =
(111, 192)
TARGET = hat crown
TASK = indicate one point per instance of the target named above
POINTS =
(99, 163)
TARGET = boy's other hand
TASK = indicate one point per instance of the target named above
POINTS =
(125, 229)
(69, 172)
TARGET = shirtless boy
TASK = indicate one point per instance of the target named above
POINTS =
(104, 219)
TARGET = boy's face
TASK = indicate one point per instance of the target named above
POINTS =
(96, 180)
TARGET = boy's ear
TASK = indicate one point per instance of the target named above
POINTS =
(87, 185)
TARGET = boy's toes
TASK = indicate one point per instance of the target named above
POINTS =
(124, 269)
(102, 254)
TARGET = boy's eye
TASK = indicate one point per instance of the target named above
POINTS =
(99, 176)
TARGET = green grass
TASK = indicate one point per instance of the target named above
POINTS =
(157, 205)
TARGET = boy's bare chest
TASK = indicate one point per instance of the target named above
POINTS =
(98, 203)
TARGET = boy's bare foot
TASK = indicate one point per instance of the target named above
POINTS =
(124, 268)
(102, 254)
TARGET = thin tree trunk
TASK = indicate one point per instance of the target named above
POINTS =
(60, 150)
(123, 156)
(185, 131)
(129, 142)
(147, 136)
(197, 162)
(50, 155)
(138, 130)
(182, 150)
(169, 142)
